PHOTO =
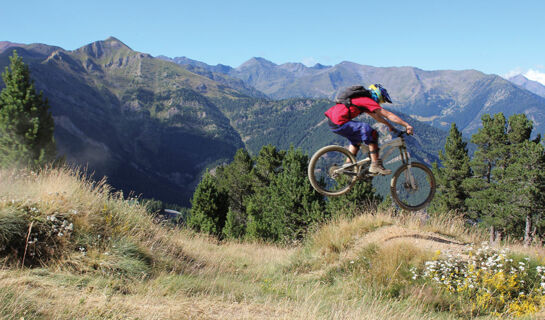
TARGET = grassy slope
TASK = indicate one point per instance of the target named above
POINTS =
(117, 263)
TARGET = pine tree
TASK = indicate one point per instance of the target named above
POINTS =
(521, 179)
(520, 129)
(286, 208)
(455, 169)
(209, 207)
(267, 164)
(523, 185)
(486, 201)
(26, 125)
(236, 180)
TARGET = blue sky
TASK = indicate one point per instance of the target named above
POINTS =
(491, 36)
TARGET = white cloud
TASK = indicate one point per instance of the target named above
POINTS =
(535, 75)
(512, 73)
(309, 61)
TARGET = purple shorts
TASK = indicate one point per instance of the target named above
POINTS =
(357, 132)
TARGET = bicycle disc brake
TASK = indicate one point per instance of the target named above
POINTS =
(333, 173)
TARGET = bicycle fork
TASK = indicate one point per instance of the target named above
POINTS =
(410, 181)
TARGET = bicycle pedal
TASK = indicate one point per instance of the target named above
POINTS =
(363, 175)
(364, 178)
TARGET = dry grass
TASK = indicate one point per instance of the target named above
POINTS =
(137, 269)
(150, 301)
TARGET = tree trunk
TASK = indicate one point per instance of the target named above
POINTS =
(534, 227)
(527, 229)
(492, 235)
(498, 237)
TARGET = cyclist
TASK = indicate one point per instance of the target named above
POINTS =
(340, 121)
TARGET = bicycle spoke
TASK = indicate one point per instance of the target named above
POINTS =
(334, 171)
(413, 186)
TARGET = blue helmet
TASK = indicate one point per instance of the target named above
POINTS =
(379, 93)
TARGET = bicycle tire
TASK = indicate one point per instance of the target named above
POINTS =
(401, 189)
(316, 172)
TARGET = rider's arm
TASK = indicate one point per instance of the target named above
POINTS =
(392, 117)
(381, 119)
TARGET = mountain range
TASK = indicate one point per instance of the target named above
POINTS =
(435, 97)
(154, 124)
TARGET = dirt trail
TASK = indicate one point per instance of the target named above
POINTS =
(428, 241)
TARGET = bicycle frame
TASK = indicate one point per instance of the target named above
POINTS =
(388, 148)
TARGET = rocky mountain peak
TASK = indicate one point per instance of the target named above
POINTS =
(319, 66)
(293, 67)
(99, 49)
(518, 79)
(530, 85)
(257, 62)
(6, 44)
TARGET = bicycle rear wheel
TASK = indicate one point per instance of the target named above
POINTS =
(332, 170)
(413, 186)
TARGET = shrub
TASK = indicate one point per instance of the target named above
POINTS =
(27, 233)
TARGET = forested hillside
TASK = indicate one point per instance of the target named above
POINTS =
(301, 122)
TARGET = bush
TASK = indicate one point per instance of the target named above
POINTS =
(29, 234)
(12, 229)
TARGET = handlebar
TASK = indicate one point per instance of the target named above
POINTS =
(399, 133)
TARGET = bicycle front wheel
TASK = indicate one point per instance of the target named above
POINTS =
(413, 186)
(332, 170)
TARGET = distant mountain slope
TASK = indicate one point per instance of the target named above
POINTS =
(219, 73)
(148, 124)
(530, 85)
(295, 121)
(301, 122)
(436, 97)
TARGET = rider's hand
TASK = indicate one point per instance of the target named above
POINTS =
(410, 129)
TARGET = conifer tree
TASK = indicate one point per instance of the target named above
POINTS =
(267, 164)
(519, 129)
(209, 207)
(240, 178)
(486, 200)
(455, 169)
(523, 186)
(286, 208)
(26, 125)
(236, 180)
(521, 179)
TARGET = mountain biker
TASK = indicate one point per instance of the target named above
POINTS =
(340, 121)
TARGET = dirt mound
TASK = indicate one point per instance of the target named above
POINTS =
(428, 241)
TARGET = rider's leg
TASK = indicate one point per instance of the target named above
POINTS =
(376, 162)
(353, 150)
(373, 152)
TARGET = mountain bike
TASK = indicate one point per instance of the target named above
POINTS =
(333, 170)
